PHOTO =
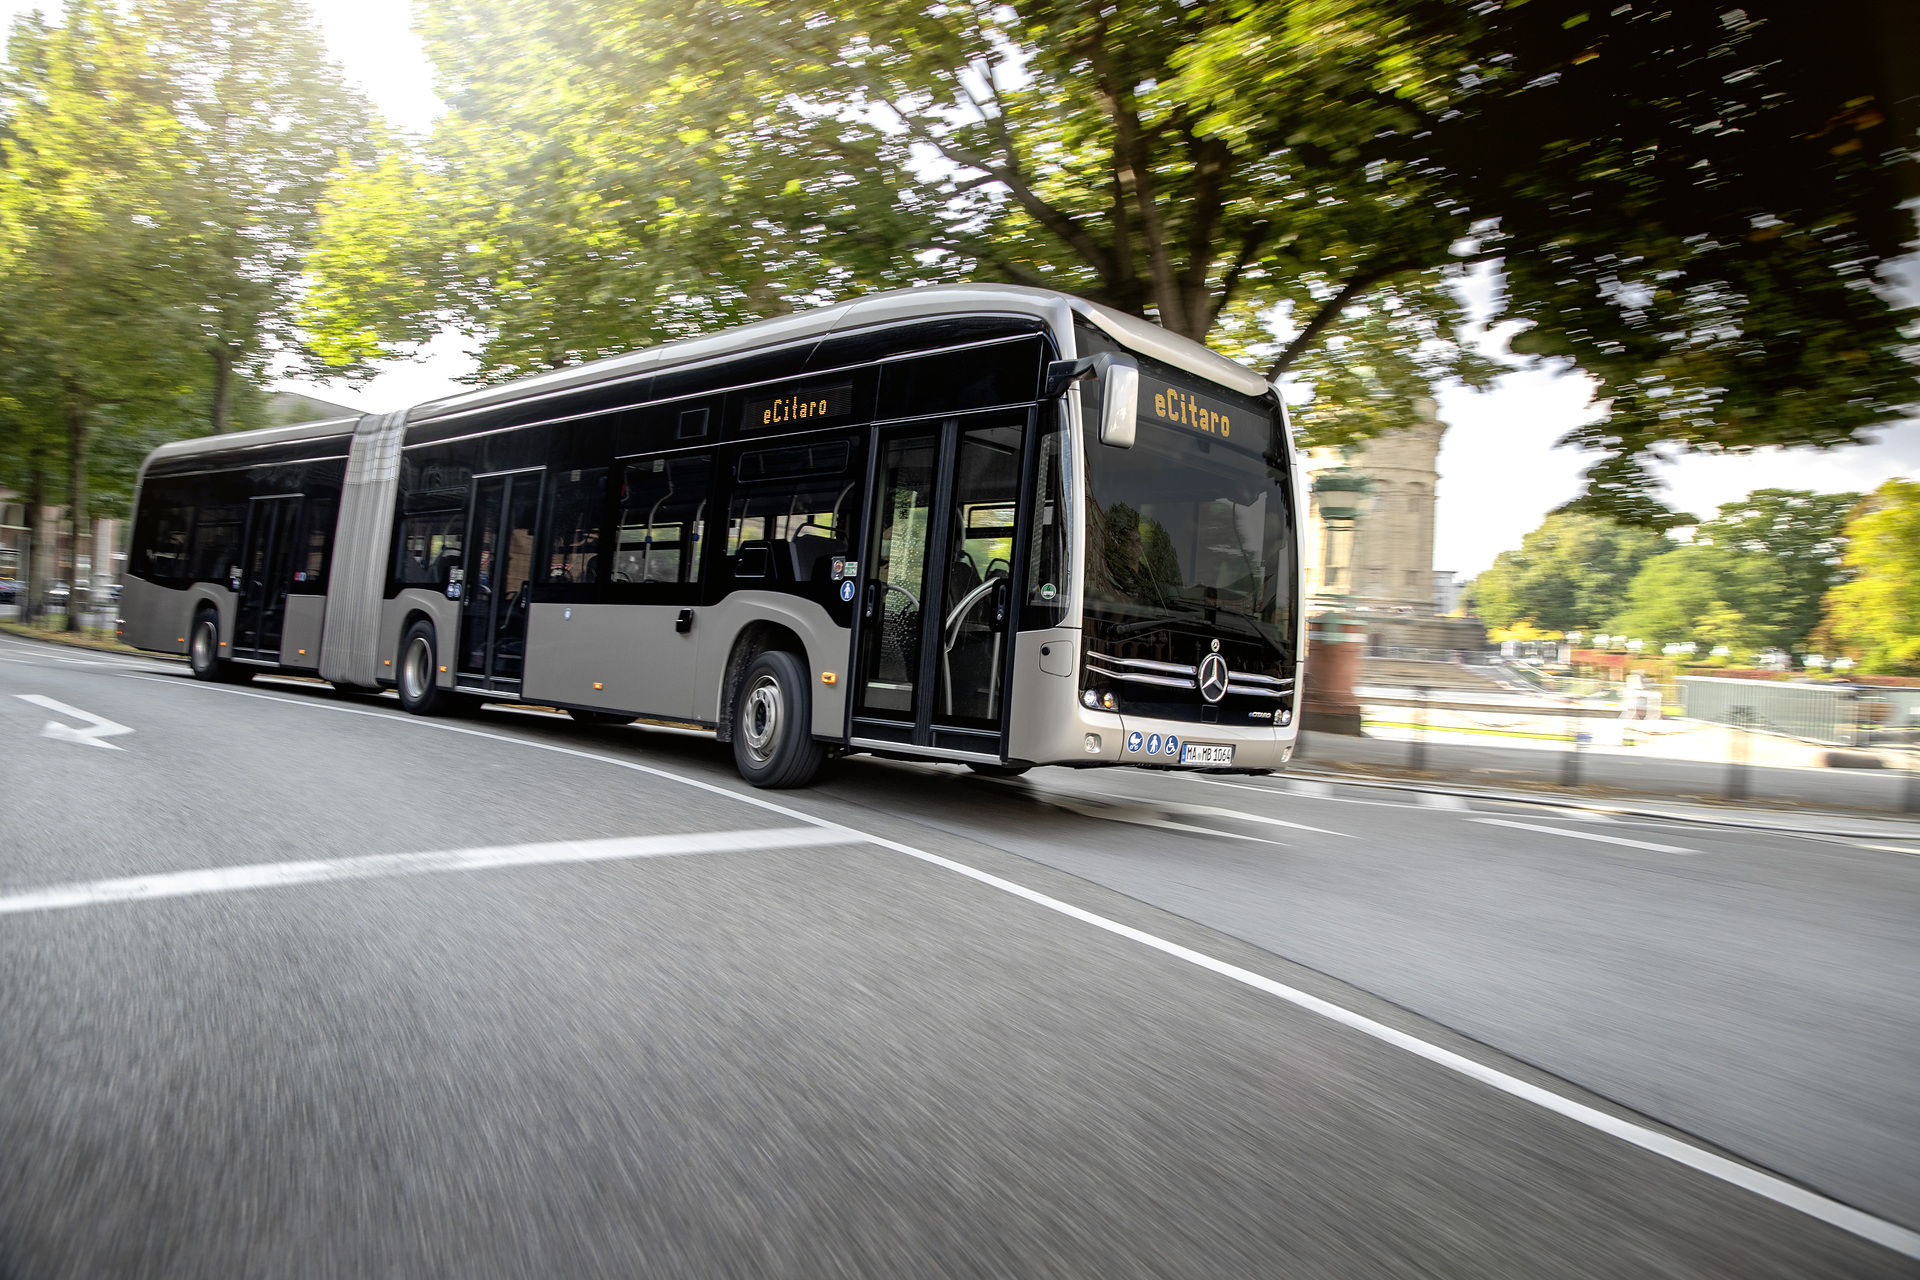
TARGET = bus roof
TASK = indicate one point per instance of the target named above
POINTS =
(256, 439)
(893, 307)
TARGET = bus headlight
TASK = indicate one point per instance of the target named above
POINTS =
(1093, 744)
(1099, 700)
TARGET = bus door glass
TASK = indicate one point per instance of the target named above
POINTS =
(266, 574)
(976, 595)
(498, 579)
(895, 587)
(936, 595)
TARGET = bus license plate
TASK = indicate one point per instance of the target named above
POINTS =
(1205, 753)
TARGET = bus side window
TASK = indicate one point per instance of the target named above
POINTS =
(216, 541)
(576, 501)
(161, 531)
(662, 528)
(428, 548)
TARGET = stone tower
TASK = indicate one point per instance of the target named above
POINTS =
(1390, 566)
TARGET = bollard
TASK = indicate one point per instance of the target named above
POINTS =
(1740, 718)
(1417, 750)
(1570, 758)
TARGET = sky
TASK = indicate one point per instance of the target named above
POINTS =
(1499, 470)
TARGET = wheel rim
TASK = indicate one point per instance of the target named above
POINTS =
(416, 673)
(203, 645)
(761, 718)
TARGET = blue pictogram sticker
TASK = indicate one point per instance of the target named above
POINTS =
(1133, 740)
(846, 589)
(1173, 745)
(1153, 745)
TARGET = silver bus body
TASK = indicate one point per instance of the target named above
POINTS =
(326, 556)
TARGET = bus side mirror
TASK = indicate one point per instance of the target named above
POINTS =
(1119, 391)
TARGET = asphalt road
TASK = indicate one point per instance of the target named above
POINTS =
(292, 984)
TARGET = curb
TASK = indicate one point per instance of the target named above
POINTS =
(1597, 806)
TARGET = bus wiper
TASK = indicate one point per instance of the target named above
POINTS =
(1125, 629)
(1200, 625)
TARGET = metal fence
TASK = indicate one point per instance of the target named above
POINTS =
(1817, 713)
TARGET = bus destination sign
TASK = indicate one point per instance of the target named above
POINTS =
(1178, 407)
(806, 405)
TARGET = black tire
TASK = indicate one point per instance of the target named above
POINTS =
(999, 770)
(203, 648)
(609, 718)
(417, 674)
(773, 742)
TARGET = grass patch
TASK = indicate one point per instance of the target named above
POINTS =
(85, 639)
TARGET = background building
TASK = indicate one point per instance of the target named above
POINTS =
(1383, 572)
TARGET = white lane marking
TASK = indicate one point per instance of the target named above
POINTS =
(1303, 790)
(1584, 835)
(1170, 807)
(277, 875)
(102, 727)
(1765, 1185)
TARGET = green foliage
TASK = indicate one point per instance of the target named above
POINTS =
(1681, 597)
(1689, 204)
(1755, 576)
(262, 118)
(1569, 574)
(90, 316)
(1876, 613)
(159, 166)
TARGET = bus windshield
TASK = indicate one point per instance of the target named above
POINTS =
(1190, 523)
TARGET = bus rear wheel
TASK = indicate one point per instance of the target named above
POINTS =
(203, 652)
(420, 691)
(773, 742)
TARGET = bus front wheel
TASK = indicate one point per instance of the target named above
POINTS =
(420, 691)
(773, 742)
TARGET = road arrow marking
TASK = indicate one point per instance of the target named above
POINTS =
(102, 727)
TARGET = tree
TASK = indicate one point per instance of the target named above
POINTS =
(87, 141)
(1754, 577)
(1682, 596)
(1685, 203)
(263, 118)
(1780, 552)
(1876, 612)
(1569, 574)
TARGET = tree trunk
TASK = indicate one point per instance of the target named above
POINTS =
(222, 388)
(41, 548)
(80, 595)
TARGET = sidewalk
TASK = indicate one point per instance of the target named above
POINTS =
(1810, 797)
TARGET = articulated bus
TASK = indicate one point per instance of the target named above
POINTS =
(998, 526)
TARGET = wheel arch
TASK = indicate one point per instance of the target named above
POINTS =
(750, 642)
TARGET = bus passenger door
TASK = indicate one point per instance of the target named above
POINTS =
(497, 581)
(936, 586)
(266, 575)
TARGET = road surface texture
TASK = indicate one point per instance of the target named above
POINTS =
(297, 985)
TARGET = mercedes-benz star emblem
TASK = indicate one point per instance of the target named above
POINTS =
(1213, 677)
